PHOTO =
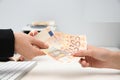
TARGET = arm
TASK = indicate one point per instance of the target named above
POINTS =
(21, 43)
(6, 43)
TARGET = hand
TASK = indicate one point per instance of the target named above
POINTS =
(99, 58)
(28, 46)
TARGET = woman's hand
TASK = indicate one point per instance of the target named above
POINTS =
(99, 58)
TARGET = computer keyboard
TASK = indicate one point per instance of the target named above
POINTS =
(15, 70)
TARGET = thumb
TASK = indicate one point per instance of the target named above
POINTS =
(82, 53)
(39, 43)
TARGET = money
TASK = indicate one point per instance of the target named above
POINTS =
(58, 54)
(62, 45)
(71, 43)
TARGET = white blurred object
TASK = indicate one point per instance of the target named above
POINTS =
(39, 26)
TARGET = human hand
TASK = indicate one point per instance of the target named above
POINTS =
(20, 57)
(28, 46)
(99, 58)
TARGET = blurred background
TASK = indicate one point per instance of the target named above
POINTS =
(99, 20)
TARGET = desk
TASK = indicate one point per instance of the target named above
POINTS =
(49, 69)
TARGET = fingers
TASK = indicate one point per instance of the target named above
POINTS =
(21, 58)
(39, 44)
(36, 46)
(82, 53)
(37, 52)
(33, 53)
(36, 42)
(84, 63)
(33, 33)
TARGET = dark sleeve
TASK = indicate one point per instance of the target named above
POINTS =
(6, 43)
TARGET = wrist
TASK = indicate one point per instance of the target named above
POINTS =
(116, 60)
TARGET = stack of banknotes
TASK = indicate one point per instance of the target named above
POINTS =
(62, 45)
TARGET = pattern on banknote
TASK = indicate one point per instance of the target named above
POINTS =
(62, 45)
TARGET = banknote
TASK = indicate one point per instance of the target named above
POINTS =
(71, 43)
(62, 45)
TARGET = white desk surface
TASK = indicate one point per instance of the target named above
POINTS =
(49, 69)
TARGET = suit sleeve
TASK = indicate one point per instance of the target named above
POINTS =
(6, 43)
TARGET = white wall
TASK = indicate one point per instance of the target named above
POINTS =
(98, 19)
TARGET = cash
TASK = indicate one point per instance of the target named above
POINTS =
(62, 45)
(71, 43)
